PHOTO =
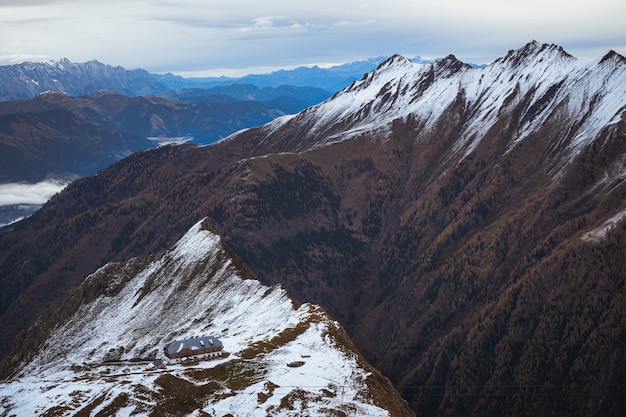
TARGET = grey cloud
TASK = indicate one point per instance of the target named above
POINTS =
(191, 35)
(16, 193)
(29, 3)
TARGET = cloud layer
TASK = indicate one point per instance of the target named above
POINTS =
(195, 35)
(15, 193)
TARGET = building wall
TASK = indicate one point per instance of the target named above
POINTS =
(206, 355)
(189, 352)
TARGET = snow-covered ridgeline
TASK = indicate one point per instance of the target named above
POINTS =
(592, 91)
(191, 290)
(194, 289)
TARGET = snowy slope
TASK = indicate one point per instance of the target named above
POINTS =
(544, 79)
(279, 359)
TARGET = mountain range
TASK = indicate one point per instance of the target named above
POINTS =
(59, 137)
(29, 79)
(61, 120)
(465, 225)
(48, 137)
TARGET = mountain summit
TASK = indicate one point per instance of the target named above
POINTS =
(466, 226)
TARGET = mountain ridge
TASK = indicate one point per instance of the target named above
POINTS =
(368, 93)
(124, 314)
(57, 135)
(31, 78)
(28, 79)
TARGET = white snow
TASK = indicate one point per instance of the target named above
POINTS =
(162, 141)
(319, 357)
(597, 234)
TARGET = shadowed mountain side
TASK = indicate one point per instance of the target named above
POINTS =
(60, 144)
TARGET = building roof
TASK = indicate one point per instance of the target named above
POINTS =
(196, 343)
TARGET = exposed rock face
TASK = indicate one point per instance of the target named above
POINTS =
(465, 225)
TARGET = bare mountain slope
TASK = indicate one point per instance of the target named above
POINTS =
(279, 359)
(465, 225)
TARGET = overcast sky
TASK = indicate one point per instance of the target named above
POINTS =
(235, 37)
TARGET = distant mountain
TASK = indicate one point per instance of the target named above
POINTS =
(55, 140)
(310, 84)
(29, 79)
(466, 226)
(304, 96)
(279, 357)
(331, 79)
(56, 136)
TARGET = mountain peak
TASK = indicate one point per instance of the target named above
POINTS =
(398, 88)
(275, 354)
(58, 62)
(612, 55)
(394, 60)
(535, 49)
(450, 64)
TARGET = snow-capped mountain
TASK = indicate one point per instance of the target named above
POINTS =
(278, 359)
(466, 226)
(531, 86)
(29, 79)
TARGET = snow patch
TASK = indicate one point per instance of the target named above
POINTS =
(600, 232)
